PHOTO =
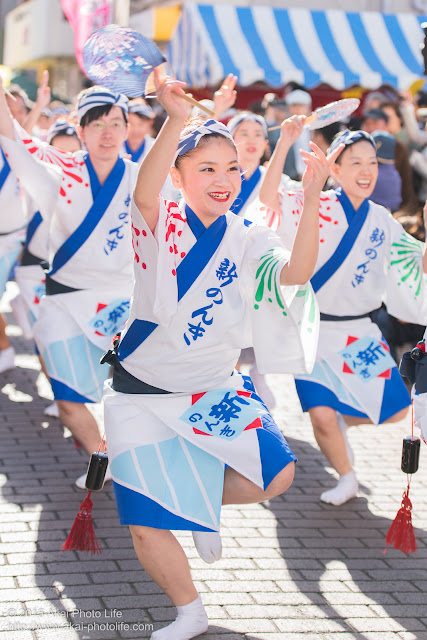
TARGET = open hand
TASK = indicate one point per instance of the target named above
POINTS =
(407, 97)
(169, 93)
(291, 129)
(225, 97)
(43, 92)
(318, 168)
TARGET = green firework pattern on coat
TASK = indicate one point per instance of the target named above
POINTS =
(407, 256)
(266, 278)
(268, 289)
(310, 304)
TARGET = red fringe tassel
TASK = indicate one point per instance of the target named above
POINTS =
(82, 535)
(401, 533)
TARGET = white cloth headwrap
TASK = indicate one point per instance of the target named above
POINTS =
(61, 128)
(190, 141)
(242, 117)
(99, 99)
(142, 110)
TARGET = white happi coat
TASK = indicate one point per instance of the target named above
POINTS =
(384, 264)
(12, 220)
(168, 191)
(138, 155)
(255, 257)
(201, 295)
(101, 268)
(30, 278)
(252, 208)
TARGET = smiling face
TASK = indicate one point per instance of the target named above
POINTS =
(357, 171)
(209, 178)
(104, 137)
(138, 128)
(250, 142)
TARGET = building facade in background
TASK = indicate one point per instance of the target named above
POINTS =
(37, 35)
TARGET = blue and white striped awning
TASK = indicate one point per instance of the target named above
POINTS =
(277, 46)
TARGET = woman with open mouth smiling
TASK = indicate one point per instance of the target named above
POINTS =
(365, 258)
(185, 431)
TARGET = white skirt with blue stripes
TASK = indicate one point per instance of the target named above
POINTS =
(168, 452)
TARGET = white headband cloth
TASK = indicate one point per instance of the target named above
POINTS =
(190, 141)
(100, 99)
(243, 117)
(348, 138)
(61, 128)
(142, 110)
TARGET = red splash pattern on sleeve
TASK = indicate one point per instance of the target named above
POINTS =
(62, 159)
(174, 224)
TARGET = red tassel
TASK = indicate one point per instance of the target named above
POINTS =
(82, 535)
(401, 533)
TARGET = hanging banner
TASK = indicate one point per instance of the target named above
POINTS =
(85, 16)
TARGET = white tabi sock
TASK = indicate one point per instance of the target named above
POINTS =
(208, 545)
(343, 426)
(346, 489)
(191, 621)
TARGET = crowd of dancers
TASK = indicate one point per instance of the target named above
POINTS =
(158, 252)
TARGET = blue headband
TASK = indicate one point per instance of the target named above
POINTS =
(347, 138)
(242, 117)
(61, 128)
(100, 97)
(142, 110)
(191, 140)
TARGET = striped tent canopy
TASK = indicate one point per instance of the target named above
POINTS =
(277, 46)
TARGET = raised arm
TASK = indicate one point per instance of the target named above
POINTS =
(42, 101)
(155, 167)
(305, 249)
(269, 192)
(410, 122)
(225, 97)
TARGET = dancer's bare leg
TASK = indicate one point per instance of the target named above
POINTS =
(397, 417)
(163, 558)
(4, 340)
(240, 490)
(332, 443)
(79, 420)
(329, 438)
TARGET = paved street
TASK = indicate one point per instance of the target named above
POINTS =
(292, 568)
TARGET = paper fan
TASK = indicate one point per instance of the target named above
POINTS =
(120, 59)
(332, 112)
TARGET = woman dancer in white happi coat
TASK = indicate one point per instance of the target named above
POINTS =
(365, 258)
(176, 412)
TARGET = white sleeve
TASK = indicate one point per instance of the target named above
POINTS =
(40, 180)
(285, 320)
(291, 204)
(406, 286)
